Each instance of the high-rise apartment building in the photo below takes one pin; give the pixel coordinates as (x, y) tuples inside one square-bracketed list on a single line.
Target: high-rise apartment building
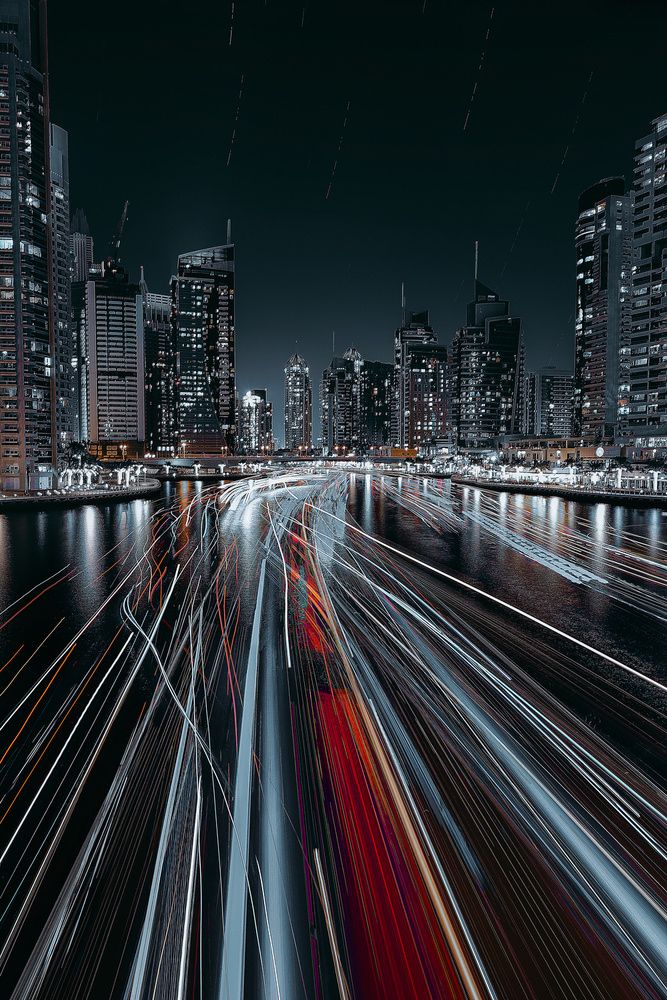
[(202, 298), (66, 380), (375, 395), (486, 371), (416, 333), (159, 364), (27, 348), (298, 405), (643, 361), (425, 373), (603, 242), (108, 314), (339, 403), (548, 403)]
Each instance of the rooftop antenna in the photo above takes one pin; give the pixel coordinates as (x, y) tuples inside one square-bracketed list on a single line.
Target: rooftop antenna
[(229, 232), (476, 257), (403, 303), (333, 343)]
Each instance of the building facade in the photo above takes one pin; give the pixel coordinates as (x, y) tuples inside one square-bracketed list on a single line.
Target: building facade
[(66, 395), (486, 372), (425, 376), (202, 302), (416, 333), (81, 246), (298, 405), (339, 403), (27, 343), (255, 423), (548, 403), (375, 397), (159, 375), (603, 243), (108, 314), (643, 355)]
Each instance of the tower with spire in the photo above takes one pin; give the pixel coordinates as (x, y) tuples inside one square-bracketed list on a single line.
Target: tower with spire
[(486, 370)]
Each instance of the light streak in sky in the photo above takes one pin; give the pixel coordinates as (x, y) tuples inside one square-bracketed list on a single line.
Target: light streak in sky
[(236, 119), (340, 145), (479, 69), (514, 241), (574, 129)]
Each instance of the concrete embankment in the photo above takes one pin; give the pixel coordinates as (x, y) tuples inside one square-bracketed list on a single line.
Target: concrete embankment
[(32, 501), (624, 498)]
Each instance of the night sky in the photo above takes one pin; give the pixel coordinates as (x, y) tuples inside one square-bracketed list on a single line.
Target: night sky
[(149, 93)]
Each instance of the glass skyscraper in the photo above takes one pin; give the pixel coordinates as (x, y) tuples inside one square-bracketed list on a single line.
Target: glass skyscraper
[(487, 371), (27, 348), (417, 333), (159, 372), (603, 241), (298, 405), (643, 362), (202, 302), (67, 424), (108, 313)]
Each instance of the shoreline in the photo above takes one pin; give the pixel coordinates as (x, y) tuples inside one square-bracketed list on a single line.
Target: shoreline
[(150, 487), (615, 498)]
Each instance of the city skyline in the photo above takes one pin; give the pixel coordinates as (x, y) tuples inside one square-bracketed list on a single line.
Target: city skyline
[(404, 202), (380, 713)]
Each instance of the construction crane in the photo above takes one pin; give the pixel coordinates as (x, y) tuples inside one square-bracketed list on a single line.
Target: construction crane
[(114, 243)]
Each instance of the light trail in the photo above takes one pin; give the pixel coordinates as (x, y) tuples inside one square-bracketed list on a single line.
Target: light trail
[(429, 817)]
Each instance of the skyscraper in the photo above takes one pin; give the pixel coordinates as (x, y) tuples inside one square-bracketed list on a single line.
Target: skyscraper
[(202, 298), (548, 401), (27, 348), (416, 333), (486, 374), (339, 403), (255, 423), (375, 395), (67, 424), (643, 365), (425, 372), (81, 246), (108, 313), (603, 241), (159, 360), (298, 405)]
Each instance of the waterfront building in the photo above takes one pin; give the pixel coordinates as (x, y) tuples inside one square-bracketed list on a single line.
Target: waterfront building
[(298, 405), (159, 376), (202, 299), (643, 361), (548, 403), (416, 333), (375, 398), (486, 371), (27, 346), (109, 320), (66, 375), (256, 423), (425, 376), (603, 242), (339, 403)]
